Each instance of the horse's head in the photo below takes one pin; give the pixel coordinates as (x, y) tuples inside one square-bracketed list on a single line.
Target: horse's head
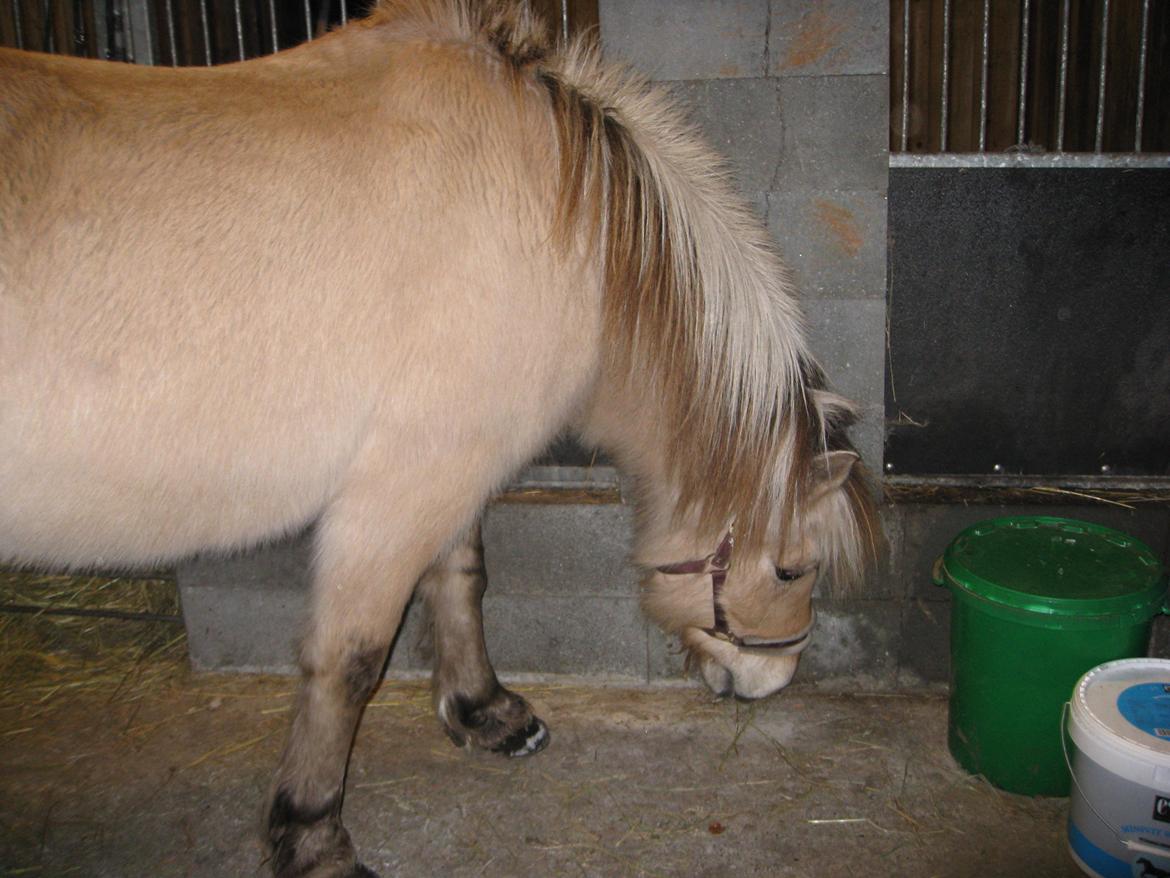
[(745, 616)]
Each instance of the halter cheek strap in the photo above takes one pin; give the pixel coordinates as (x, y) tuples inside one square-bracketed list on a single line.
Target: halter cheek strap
[(717, 565)]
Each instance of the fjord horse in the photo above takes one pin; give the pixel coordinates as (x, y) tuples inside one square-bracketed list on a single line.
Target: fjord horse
[(361, 282)]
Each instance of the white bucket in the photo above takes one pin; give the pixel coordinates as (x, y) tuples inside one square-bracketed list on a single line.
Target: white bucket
[(1119, 810)]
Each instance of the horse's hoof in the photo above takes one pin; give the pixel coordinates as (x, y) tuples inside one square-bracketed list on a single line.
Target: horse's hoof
[(502, 723), (531, 739)]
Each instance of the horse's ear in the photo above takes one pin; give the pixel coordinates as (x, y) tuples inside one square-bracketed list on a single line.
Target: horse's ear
[(836, 411), (833, 468)]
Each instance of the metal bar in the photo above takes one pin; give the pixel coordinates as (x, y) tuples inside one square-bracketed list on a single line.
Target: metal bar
[(239, 30), (272, 25), (128, 31), (18, 24), (344, 13), (48, 38), (945, 100), (1099, 141), (114, 48), (1022, 109), (206, 32), (565, 22), (1143, 51), (142, 35), (1030, 160), (99, 19), (171, 33), (1062, 100), (308, 21), (984, 78), (80, 33), (905, 139)]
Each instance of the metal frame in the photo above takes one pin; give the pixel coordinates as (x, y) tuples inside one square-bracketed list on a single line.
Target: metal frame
[(1028, 160), (1022, 96), (139, 37)]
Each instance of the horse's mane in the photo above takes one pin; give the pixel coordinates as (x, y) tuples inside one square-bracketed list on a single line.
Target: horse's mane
[(699, 313)]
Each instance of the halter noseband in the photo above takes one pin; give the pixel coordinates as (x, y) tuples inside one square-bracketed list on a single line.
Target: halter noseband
[(717, 564)]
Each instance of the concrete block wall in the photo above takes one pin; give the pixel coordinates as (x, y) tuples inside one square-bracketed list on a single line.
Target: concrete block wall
[(795, 94), (563, 600)]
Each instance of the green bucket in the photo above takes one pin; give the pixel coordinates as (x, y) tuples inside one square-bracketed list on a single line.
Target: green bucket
[(1037, 602)]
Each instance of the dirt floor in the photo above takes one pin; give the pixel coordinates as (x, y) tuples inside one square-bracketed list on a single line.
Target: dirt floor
[(634, 783), (116, 761)]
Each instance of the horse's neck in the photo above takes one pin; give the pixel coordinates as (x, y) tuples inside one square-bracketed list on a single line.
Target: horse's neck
[(631, 430)]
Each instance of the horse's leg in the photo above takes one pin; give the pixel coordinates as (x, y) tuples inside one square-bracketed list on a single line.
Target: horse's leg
[(361, 586), (472, 705)]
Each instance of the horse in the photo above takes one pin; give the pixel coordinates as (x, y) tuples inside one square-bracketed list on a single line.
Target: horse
[(361, 282)]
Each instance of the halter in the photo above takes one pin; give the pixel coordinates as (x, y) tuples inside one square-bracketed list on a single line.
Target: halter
[(717, 564)]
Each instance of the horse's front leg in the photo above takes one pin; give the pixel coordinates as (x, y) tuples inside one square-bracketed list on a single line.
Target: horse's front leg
[(361, 587), (472, 705)]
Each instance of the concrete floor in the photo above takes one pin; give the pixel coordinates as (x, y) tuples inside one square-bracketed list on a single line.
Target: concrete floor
[(167, 780)]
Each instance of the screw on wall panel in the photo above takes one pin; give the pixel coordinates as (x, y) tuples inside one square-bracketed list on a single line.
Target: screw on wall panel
[(998, 468), (1106, 469), (889, 466)]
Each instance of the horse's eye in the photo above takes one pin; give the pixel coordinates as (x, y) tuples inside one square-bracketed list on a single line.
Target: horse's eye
[(787, 574)]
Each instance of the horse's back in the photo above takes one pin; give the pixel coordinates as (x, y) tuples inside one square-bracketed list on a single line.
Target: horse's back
[(215, 283)]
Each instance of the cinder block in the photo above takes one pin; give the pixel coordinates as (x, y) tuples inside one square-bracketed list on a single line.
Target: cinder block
[(741, 119), (570, 550), (665, 657), (829, 37), (924, 648), (247, 612), (836, 133), (854, 646), (592, 636), (833, 242), (687, 39), (848, 337)]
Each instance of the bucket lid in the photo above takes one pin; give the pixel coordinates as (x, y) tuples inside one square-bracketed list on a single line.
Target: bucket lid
[(1125, 705), (1056, 566)]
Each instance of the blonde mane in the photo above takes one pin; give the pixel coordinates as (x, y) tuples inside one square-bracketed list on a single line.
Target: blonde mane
[(700, 318)]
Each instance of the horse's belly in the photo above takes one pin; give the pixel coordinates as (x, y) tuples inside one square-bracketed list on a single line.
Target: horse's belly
[(132, 492)]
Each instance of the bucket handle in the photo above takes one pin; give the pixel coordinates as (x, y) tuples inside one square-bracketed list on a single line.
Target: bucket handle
[(1135, 845), (936, 575)]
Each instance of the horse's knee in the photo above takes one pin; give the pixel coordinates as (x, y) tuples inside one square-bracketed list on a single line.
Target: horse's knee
[(500, 721)]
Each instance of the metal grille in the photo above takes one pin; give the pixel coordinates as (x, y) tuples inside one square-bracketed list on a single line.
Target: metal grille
[(203, 32), (1030, 76)]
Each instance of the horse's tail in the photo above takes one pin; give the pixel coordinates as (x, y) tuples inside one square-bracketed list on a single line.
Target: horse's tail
[(698, 314)]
